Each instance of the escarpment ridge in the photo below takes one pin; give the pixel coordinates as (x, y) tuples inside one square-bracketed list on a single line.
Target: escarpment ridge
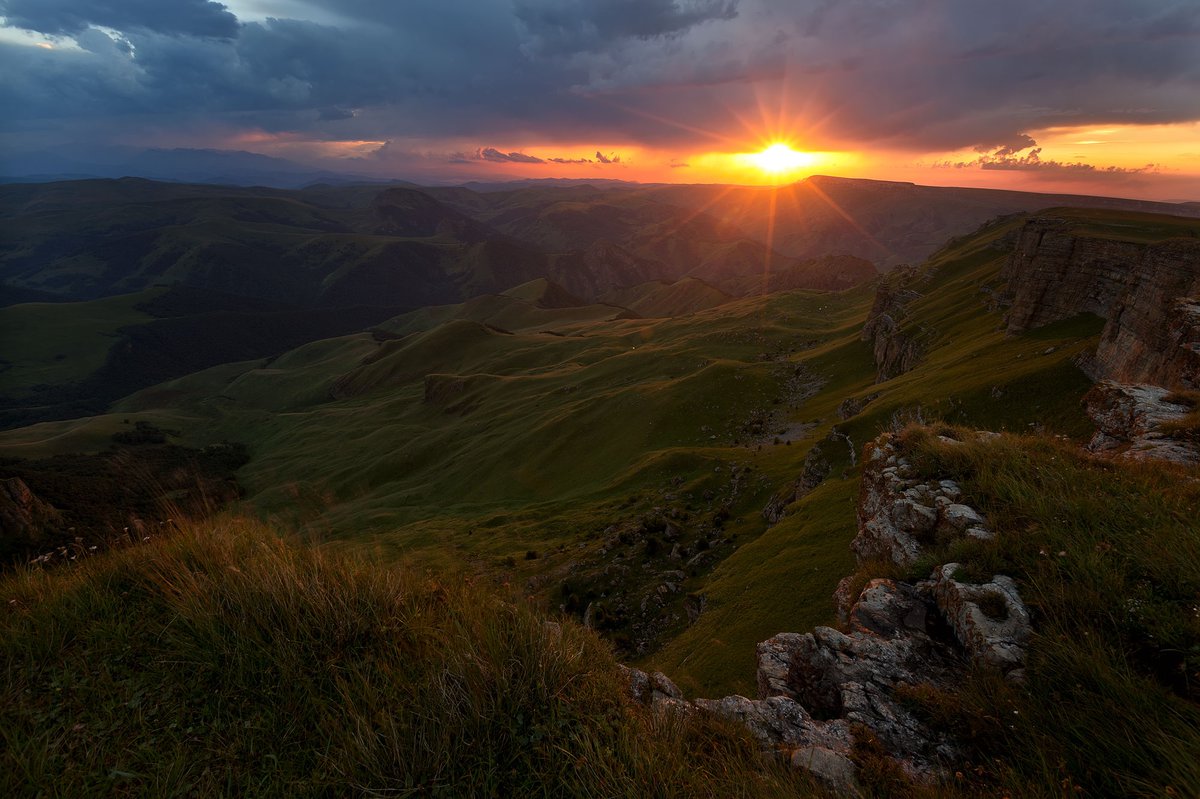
[(1148, 293)]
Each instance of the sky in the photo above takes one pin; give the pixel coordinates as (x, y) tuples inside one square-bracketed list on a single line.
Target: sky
[(1089, 96)]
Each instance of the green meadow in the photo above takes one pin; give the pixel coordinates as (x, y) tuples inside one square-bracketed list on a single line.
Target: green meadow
[(463, 437)]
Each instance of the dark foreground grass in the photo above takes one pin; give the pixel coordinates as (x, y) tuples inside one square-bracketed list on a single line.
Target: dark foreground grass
[(223, 661), (1108, 558)]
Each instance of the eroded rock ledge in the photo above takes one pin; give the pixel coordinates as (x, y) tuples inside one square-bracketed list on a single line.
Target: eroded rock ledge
[(822, 692), (1133, 423)]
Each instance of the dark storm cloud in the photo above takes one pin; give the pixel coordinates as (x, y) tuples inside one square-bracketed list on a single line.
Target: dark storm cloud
[(1022, 141), (569, 26), (696, 74), (68, 17), (334, 114)]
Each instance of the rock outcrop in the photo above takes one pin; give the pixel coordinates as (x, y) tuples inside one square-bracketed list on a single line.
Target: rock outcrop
[(895, 350), (898, 514), (1153, 332), (22, 514), (1148, 293), (816, 469), (820, 692), (25, 520), (989, 619), (853, 406), (1133, 420)]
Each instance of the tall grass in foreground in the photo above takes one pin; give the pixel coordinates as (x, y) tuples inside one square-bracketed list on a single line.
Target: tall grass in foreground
[(1108, 557), (224, 661)]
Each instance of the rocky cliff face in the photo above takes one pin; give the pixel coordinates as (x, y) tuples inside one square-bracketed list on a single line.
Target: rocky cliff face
[(1153, 332), (1148, 293), (1054, 274), (896, 352), (821, 692)]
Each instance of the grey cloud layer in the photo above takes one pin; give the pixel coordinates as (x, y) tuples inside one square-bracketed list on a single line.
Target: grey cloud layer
[(192, 17), (917, 74)]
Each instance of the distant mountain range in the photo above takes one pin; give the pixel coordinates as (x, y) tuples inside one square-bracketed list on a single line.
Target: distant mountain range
[(338, 246), (184, 165), (178, 277)]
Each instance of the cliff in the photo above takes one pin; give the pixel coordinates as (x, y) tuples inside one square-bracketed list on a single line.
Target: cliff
[(896, 351), (1148, 293)]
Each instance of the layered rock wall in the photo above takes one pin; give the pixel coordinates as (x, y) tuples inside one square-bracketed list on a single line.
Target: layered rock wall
[(1153, 330), (1054, 274), (1149, 295)]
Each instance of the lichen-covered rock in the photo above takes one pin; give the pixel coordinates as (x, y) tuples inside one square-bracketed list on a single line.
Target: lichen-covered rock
[(885, 476), (989, 619), (889, 608), (898, 513), (654, 689), (779, 722), (833, 768), (775, 662), (852, 677)]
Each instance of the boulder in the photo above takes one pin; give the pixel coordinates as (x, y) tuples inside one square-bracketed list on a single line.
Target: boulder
[(989, 619)]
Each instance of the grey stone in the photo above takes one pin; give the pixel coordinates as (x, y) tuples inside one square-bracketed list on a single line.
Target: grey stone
[(995, 639), (832, 768)]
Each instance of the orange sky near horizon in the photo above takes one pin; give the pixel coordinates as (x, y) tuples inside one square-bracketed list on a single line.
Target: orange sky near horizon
[(1160, 162)]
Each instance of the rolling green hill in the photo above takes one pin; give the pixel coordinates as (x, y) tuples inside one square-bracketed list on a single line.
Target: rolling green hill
[(522, 434), (351, 246), (613, 462)]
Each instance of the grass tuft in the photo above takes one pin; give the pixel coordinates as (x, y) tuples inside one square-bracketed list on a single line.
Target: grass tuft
[(223, 660), (1107, 556)]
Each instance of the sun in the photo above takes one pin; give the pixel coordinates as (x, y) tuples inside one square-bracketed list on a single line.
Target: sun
[(780, 158)]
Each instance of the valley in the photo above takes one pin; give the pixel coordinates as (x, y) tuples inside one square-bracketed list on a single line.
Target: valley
[(670, 455)]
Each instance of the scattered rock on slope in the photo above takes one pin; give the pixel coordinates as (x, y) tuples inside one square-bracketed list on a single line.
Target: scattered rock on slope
[(1132, 423), (820, 692)]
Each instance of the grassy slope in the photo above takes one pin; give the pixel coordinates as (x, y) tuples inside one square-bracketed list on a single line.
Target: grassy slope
[(56, 343), (784, 579), (1108, 558), (538, 440), (220, 660)]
